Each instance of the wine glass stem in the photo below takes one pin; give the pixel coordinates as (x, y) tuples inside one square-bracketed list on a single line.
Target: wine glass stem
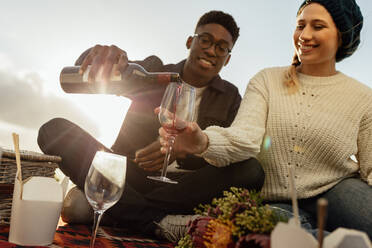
[(167, 155), (97, 220)]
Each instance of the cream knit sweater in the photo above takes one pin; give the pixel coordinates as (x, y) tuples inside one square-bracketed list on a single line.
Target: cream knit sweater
[(315, 130)]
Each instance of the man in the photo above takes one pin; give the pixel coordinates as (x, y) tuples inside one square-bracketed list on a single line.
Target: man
[(145, 204)]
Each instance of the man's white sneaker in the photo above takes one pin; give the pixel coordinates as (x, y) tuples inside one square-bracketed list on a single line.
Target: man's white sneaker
[(174, 227)]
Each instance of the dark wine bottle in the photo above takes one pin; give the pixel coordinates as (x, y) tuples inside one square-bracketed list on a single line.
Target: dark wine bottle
[(133, 81)]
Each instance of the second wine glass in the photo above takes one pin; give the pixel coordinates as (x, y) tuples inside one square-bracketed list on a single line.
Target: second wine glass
[(104, 185), (176, 110)]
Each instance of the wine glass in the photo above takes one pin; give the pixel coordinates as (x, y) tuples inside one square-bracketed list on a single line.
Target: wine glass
[(176, 110), (104, 185)]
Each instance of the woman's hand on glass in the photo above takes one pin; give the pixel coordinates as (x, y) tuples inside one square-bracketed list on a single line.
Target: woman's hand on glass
[(190, 140)]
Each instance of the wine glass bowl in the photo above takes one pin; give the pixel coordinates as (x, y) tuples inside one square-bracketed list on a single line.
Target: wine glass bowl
[(104, 184), (176, 111), (172, 123)]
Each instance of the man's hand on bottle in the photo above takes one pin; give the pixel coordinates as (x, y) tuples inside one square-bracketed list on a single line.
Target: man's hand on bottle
[(150, 157), (102, 60)]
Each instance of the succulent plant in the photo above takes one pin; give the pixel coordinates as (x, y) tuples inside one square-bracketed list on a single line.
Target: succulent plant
[(238, 219)]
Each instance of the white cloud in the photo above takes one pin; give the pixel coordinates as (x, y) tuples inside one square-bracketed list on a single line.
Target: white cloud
[(5, 61), (25, 105), (27, 140)]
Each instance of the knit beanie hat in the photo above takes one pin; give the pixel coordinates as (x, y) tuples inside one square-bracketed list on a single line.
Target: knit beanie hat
[(349, 21)]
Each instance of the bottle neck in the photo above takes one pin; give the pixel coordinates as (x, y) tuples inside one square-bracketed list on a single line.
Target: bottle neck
[(165, 78), (159, 77)]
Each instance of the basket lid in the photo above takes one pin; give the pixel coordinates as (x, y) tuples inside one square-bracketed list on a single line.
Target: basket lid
[(6, 190), (32, 156)]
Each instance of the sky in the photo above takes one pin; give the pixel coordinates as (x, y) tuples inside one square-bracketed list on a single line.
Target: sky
[(40, 37)]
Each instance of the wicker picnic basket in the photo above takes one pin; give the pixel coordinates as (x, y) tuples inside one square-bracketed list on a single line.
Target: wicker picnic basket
[(33, 164)]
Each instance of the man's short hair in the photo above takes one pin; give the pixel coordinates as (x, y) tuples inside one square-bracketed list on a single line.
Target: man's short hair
[(221, 18)]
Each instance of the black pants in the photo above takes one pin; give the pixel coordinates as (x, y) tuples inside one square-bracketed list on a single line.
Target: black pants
[(144, 201)]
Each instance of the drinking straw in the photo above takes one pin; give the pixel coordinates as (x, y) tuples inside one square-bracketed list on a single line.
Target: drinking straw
[(18, 157), (293, 196), (322, 212)]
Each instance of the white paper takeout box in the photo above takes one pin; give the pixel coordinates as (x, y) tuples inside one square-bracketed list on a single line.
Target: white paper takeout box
[(293, 236), (36, 208)]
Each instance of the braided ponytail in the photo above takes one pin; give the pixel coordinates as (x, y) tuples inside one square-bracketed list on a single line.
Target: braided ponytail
[(291, 78)]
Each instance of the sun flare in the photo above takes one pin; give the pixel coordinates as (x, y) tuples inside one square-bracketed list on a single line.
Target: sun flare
[(107, 112)]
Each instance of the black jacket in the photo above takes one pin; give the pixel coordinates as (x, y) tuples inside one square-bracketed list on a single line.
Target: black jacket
[(219, 105)]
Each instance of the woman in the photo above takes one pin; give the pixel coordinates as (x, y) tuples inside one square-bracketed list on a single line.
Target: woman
[(313, 116)]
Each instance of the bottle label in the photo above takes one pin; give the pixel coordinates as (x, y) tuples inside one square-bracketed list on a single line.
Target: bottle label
[(139, 73), (113, 77)]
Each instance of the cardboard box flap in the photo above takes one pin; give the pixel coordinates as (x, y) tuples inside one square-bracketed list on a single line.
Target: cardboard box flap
[(42, 189), (343, 238), (292, 236)]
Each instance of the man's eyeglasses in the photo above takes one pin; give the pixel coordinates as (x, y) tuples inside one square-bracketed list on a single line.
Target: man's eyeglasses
[(206, 40)]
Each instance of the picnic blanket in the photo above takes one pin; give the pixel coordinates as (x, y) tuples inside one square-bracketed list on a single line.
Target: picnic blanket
[(79, 236)]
